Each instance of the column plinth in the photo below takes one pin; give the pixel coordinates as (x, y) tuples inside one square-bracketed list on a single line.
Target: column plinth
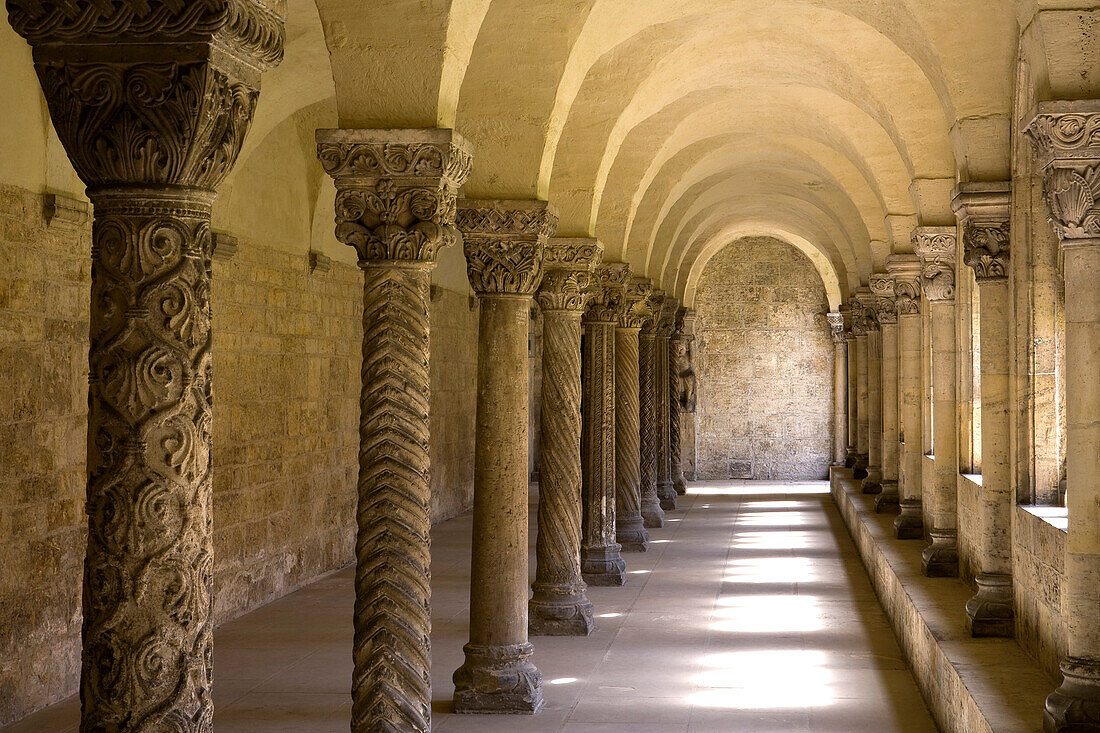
[(840, 388), (666, 491), (601, 561), (559, 604), (883, 288), (384, 177), (504, 243), (936, 248), (653, 516), (983, 212), (629, 523), (1066, 138), (151, 134), (909, 523)]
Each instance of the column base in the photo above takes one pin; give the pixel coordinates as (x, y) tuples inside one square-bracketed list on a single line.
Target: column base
[(603, 565), (667, 495), (556, 610), (1075, 706), (850, 458), (887, 501), (498, 680), (909, 524), (679, 486), (859, 468), (631, 534), (990, 612), (653, 517), (941, 558), (872, 482)]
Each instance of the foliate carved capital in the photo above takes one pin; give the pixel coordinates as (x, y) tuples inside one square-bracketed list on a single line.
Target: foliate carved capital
[(882, 288), (396, 190), (636, 311), (1066, 139), (936, 248), (905, 271), (655, 303), (857, 325), (836, 324), (608, 292), (504, 243), (865, 310), (567, 283), (666, 320), (983, 211)]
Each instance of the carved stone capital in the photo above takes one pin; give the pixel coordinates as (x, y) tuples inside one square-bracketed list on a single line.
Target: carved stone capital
[(865, 310), (396, 190), (655, 302), (567, 283), (608, 291), (936, 248), (636, 310), (1066, 139), (882, 288), (504, 243), (983, 211), (666, 320), (836, 323), (905, 270)]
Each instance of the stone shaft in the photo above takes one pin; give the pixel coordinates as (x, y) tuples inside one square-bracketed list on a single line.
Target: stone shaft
[(652, 514), (889, 497), (840, 389), (678, 363), (863, 409), (873, 483), (630, 529), (666, 492), (910, 489), (852, 399)]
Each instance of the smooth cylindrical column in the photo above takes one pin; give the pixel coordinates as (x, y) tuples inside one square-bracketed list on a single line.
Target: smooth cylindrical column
[(863, 411), (936, 248), (851, 452), (652, 515), (504, 242), (559, 604), (909, 523), (840, 388), (872, 483), (887, 500)]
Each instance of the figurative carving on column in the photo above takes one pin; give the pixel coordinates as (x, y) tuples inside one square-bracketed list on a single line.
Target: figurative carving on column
[(678, 365), (633, 315), (151, 135), (504, 245), (936, 248), (395, 205), (652, 514), (559, 605), (1066, 138), (666, 492)]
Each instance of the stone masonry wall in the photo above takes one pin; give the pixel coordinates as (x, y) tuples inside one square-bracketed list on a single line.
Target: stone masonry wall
[(765, 357), (1038, 574), (286, 359)]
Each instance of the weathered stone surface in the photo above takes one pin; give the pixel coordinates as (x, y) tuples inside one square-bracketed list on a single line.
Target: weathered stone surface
[(630, 529), (652, 513), (765, 407)]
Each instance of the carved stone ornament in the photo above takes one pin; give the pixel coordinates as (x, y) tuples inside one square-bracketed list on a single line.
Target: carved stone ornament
[(983, 212), (882, 303), (936, 248), (905, 271), (567, 282), (608, 292), (636, 311), (836, 323), (504, 243), (1066, 138), (396, 190)]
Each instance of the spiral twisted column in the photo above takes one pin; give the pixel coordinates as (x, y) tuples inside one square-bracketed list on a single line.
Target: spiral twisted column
[(1066, 138), (601, 561), (666, 492), (395, 204), (559, 605), (504, 243), (882, 286), (652, 514), (629, 524), (151, 140), (936, 248)]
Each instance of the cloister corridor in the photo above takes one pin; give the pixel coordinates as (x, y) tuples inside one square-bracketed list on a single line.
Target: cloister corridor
[(751, 612)]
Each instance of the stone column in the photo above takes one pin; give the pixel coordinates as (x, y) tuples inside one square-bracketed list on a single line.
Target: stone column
[(936, 248), (629, 524), (601, 563), (882, 286), (652, 515), (1066, 136), (503, 243), (559, 605), (666, 492), (152, 130), (395, 202), (840, 388), (863, 417), (983, 211), (872, 483), (851, 313), (679, 343), (909, 524)]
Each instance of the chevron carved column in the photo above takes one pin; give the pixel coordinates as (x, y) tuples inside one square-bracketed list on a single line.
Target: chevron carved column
[(666, 492), (395, 204), (559, 605), (601, 561), (629, 524), (504, 243), (152, 102), (652, 514)]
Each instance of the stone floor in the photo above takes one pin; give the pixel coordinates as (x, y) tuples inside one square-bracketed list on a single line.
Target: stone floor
[(751, 612)]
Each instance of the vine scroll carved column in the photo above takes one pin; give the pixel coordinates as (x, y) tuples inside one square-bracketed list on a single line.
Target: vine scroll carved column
[(395, 205), (151, 102), (559, 605), (652, 514), (504, 243), (629, 524)]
